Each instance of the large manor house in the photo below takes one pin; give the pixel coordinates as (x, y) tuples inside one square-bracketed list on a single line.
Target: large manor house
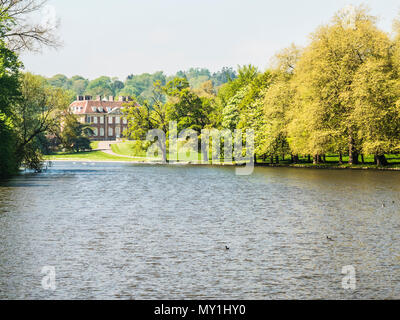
[(103, 115)]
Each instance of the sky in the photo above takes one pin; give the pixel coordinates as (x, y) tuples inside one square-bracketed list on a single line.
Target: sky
[(121, 37)]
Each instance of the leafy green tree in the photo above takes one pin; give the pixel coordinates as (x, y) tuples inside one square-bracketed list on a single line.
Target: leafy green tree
[(117, 85), (231, 95), (223, 76), (74, 135), (251, 109), (324, 76), (38, 111), (79, 85), (102, 86), (376, 112), (141, 86), (9, 94), (60, 81), (148, 115), (278, 104), (186, 107)]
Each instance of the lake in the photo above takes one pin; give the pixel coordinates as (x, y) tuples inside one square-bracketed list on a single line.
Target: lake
[(126, 231)]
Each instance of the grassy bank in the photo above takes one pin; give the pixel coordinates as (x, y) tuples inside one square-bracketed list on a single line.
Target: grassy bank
[(101, 156), (87, 156), (128, 149)]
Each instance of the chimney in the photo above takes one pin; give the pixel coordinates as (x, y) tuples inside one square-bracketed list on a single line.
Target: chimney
[(110, 98)]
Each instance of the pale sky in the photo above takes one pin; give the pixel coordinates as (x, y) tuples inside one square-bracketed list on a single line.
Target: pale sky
[(121, 37)]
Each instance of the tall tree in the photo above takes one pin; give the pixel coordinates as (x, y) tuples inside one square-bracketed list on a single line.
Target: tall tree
[(251, 109), (186, 107), (325, 75), (38, 111), (9, 95), (148, 115), (376, 112)]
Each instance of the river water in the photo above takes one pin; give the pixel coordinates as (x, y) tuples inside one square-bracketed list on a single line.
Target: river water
[(124, 231)]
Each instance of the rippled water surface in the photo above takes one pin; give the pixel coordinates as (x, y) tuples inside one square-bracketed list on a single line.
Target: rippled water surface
[(123, 231)]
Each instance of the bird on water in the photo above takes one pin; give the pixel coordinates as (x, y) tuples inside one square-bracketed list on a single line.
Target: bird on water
[(227, 248), (329, 238)]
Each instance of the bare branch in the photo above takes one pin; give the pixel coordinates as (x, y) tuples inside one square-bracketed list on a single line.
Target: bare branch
[(24, 34)]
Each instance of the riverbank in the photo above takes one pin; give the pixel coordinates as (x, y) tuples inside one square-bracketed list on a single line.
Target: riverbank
[(90, 156), (102, 158), (393, 167), (122, 152)]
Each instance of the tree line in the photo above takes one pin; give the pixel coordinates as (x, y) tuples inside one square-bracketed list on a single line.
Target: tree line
[(140, 86), (338, 95)]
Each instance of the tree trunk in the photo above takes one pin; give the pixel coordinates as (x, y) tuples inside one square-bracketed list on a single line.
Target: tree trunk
[(340, 158), (317, 159), (309, 158), (255, 159), (353, 154), (324, 158), (362, 159), (264, 157), (381, 160), (277, 159), (296, 158)]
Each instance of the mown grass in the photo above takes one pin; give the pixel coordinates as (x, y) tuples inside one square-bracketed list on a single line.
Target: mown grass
[(127, 148), (94, 145), (87, 156)]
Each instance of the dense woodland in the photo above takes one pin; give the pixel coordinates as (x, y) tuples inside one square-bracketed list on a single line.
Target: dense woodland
[(339, 95)]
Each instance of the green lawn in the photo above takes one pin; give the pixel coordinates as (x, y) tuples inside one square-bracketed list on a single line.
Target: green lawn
[(88, 156), (127, 149), (94, 145)]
